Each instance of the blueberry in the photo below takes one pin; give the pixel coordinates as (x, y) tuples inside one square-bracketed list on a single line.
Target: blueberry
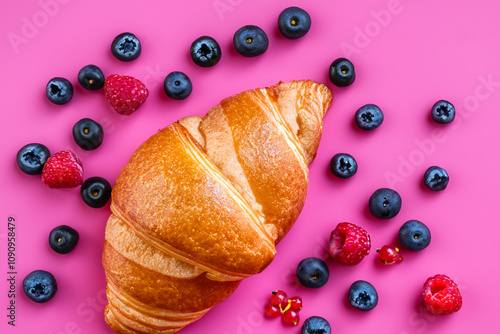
[(312, 272), (315, 325), (91, 77), (88, 134), (294, 22), (40, 286), (436, 178), (343, 165), (177, 85), (63, 239), (96, 191), (342, 72), (126, 47), (384, 203), (250, 41), (59, 90), (368, 117), (414, 235), (32, 157), (443, 112), (205, 51), (362, 295)]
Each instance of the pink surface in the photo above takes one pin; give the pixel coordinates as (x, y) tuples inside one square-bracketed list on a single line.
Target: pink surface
[(408, 54)]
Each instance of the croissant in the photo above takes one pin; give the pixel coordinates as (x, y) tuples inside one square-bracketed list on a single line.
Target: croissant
[(203, 202)]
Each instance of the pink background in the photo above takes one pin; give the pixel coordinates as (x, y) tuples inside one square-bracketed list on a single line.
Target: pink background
[(408, 54)]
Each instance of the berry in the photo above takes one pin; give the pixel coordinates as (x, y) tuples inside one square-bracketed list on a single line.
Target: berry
[(40, 286), (250, 41), (124, 93), (96, 192), (294, 22), (126, 47), (272, 311), (312, 272), (62, 170), (287, 307), (443, 112), (343, 165), (441, 295), (177, 85), (368, 117), (342, 72), (414, 235), (205, 51), (91, 77), (63, 239), (88, 134), (389, 254), (278, 298), (349, 244), (290, 317), (59, 90), (362, 295), (296, 303), (315, 325), (32, 157), (384, 203), (436, 178)]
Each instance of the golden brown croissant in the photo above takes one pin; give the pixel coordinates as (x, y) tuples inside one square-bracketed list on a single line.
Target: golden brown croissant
[(202, 203)]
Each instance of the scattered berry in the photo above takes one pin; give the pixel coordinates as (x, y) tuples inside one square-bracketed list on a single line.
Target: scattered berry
[(290, 317), (294, 22), (62, 170), (59, 90), (126, 47), (349, 244), (414, 235), (250, 41), (177, 85), (312, 272), (272, 311), (88, 134), (389, 254), (316, 325), (205, 51), (63, 239), (441, 295), (343, 165), (40, 286), (278, 298), (362, 295), (96, 192), (342, 72), (296, 303), (436, 178), (124, 93), (32, 157), (288, 307), (368, 117), (91, 77), (443, 112), (384, 203)]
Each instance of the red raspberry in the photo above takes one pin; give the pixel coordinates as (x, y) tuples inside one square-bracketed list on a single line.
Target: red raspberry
[(441, 295), (125, 93), (62, 170), (349, 244)]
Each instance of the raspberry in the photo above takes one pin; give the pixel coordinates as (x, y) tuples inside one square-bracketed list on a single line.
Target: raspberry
[(62, 170), (441, 295), (349, 244), (125, 93)]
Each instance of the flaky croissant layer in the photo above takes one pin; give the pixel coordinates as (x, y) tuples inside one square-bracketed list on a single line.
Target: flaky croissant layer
[(203, 202)]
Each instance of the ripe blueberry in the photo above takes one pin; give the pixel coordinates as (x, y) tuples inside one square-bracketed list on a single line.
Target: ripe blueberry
[(384, 203), (342, 72), (126, 47), (250, 41), (368, 117), (88, 134), (96, 191), (177, 85), (436, 178), (205, 51), (414, 235), (63, 239), (316, 325), (32, 157), (362, 295), (294, 22), (343, 165), (443, 112), (40, 286), (312, 272), (91, 77), (59, 90)]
